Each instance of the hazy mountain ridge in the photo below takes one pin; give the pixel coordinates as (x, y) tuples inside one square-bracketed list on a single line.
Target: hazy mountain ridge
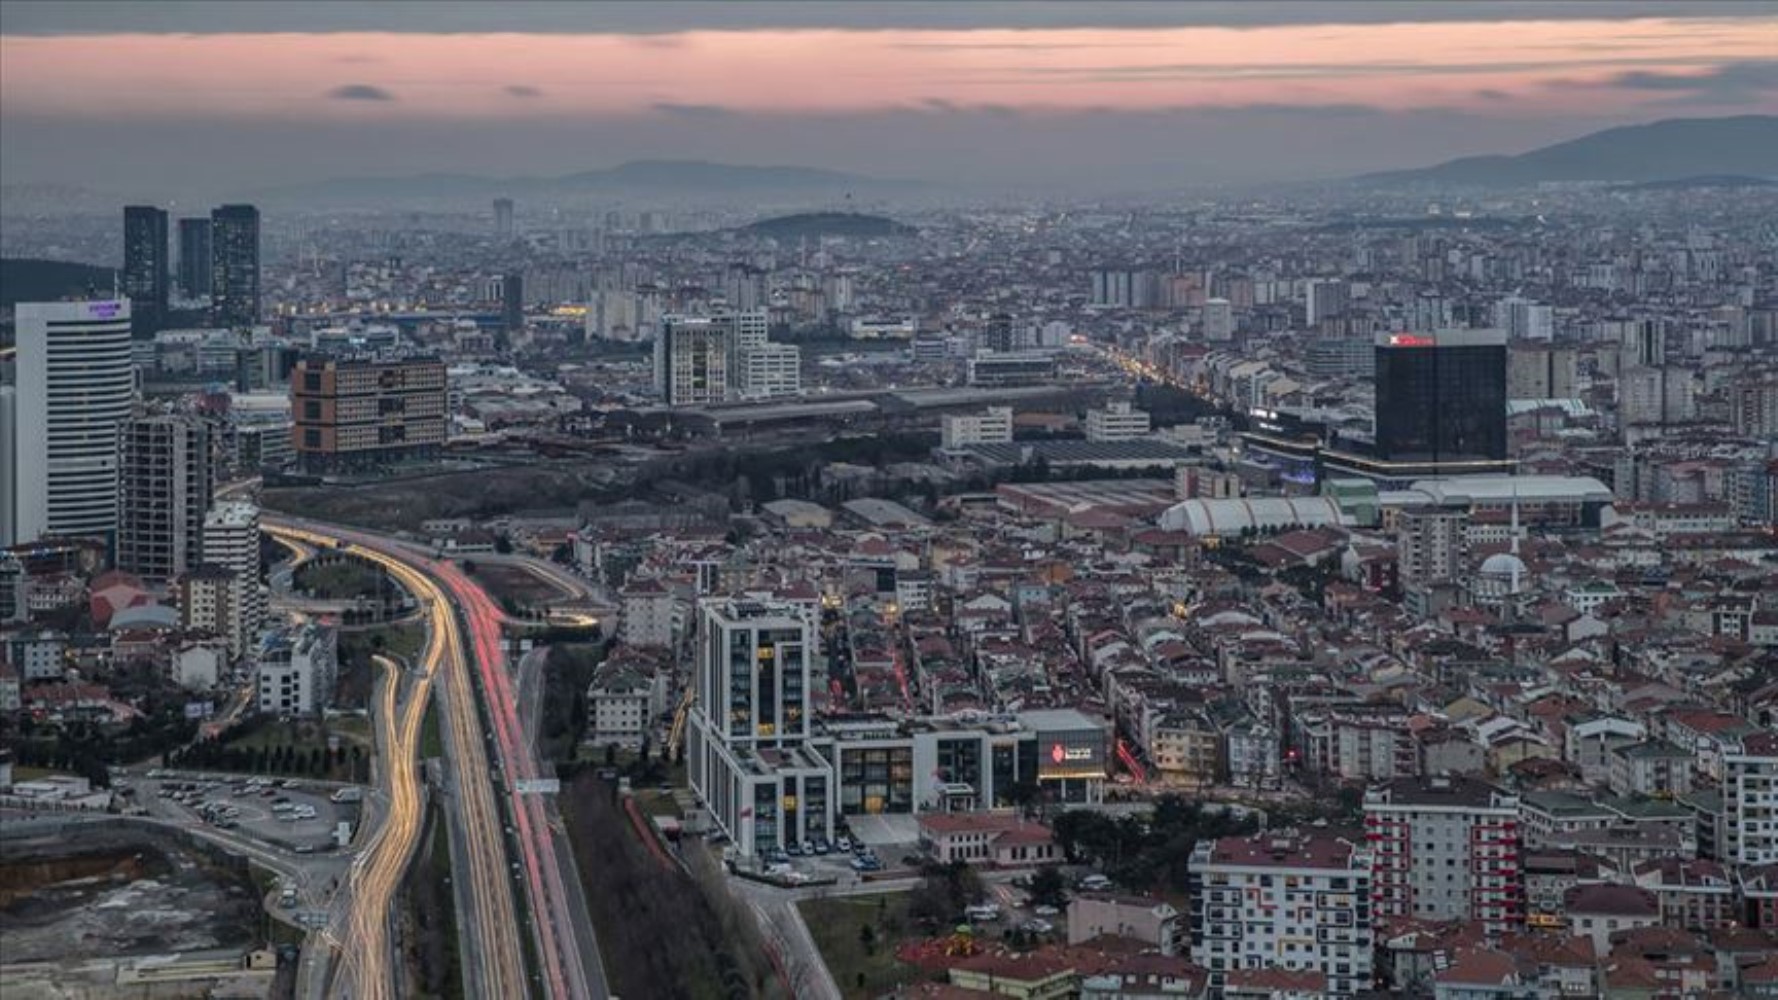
[(640, 176), (1671, 150)]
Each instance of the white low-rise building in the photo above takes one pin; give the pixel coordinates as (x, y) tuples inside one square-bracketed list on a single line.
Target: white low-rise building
[(297, 669), (1118, 421), (963, 430), (623, 702)]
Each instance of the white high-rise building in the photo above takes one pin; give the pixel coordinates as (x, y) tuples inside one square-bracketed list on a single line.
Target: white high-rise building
[(964, 430), (1283, 901), (1523, 319), (1445, 848), (1430, 545), (1750, 800), (231, 541), (75, 387), (1219, 320), (748, 755), (745, 330), (1117, 421)]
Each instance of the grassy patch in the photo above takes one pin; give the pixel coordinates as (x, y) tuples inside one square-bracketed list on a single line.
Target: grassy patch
[(637, 904), (340, 580), (432, 949), (405, 641), (837, 926), (431, 738), (267, 745), (658, 803)]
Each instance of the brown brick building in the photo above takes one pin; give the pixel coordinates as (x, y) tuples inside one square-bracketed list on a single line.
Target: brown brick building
[(357, 413)]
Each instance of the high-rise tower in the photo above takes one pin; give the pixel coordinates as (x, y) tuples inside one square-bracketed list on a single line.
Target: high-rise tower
[(165, 484), (194, 257), (75, 387), (234, 265), (145, 267)]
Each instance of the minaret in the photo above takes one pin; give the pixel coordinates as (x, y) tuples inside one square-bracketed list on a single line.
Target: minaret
[(1517, 562)]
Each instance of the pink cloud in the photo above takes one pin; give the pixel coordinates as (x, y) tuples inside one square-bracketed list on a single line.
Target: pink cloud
[(1392, 66)]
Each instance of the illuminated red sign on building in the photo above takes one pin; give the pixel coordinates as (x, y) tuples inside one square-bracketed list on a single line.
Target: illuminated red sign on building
[(1411, 340)]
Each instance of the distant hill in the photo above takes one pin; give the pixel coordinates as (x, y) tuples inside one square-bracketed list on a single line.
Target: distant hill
[(641, 177), (1669, 150), (25, 279), (1711, 181), (819, 224)]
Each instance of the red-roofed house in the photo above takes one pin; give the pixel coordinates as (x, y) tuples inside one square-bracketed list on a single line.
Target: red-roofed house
[(1002, 839)]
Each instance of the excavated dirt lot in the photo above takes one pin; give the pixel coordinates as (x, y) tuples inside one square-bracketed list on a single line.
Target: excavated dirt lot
[(106, 892)]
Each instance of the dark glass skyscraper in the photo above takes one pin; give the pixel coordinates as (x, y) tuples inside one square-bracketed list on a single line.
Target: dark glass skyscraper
[(145, 271), (194, 256), (1441, 397), (234, 265), (512, 305)]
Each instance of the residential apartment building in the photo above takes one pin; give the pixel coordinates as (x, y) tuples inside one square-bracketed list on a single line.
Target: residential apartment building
[(165, 482), (298, 668), (1750, 800), (622, 703), (209, 601), (363, 412), (1430, 545), (1283, 901), (648, 614), (231, 542), (1446, 848)]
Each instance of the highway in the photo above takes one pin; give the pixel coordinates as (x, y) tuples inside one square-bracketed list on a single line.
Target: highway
[(563, 935), (376, 874), (494, 965)]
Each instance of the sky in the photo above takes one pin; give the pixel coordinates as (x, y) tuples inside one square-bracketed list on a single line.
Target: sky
[(186, 98)]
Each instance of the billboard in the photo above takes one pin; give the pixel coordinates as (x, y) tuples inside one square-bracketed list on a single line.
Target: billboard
[(1078, 753)]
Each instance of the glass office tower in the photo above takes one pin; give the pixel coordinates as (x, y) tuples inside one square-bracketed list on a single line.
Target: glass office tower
[(1441, 397)]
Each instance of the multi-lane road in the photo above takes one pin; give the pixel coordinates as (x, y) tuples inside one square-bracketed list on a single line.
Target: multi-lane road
[(465, 652), (489, 914), (563, 935)]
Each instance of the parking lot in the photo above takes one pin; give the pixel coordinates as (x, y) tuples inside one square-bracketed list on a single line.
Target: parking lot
[(287, 813)]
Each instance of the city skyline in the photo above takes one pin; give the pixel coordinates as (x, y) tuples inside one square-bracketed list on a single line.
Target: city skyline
[(1143, 96)]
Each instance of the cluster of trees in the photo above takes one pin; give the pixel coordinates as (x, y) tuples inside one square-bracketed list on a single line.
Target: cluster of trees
[(337, 764), (938, 902), (638, 904), (567, 672), (89, 749), (1145, 853)]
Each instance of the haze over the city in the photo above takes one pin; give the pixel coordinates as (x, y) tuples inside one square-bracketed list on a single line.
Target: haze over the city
[(201, 100)]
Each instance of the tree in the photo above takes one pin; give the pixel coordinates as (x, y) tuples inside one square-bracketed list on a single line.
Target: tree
[(1048, 888), (867, 938)]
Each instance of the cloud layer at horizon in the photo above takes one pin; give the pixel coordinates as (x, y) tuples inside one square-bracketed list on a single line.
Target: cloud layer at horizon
[(1247, 98)]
